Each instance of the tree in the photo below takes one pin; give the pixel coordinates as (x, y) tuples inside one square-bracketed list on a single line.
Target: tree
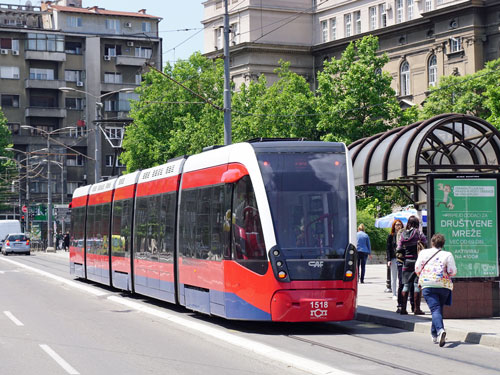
[(354, 94), (168, 119), (8, 169), (474, 94)]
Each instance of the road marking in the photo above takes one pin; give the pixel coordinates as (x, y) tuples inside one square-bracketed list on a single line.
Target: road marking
[(71, 283), (307, 365), (61, 362), (11, 316)]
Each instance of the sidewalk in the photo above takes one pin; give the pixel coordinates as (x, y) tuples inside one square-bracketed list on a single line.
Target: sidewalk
[(376, 306)]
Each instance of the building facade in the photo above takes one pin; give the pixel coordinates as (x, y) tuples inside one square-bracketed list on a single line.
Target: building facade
[(68, 72), (424, 39)]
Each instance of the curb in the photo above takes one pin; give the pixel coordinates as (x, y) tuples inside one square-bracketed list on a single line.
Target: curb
[(416, 324)]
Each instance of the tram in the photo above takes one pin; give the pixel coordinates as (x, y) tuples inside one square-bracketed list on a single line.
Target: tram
[(262, 230)]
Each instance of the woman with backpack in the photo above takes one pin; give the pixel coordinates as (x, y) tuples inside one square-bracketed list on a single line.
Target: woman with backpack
[(407, 251)]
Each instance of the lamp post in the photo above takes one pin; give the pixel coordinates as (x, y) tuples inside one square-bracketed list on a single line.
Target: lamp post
[(60, 165), (49, 182), (27, 176), (98, 117)]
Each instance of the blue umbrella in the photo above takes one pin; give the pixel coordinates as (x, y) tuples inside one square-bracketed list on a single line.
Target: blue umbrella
[(386, 221)]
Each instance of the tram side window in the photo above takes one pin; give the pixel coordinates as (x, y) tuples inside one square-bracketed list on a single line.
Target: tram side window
[(125, 230), (247, 238), (141, 227), (117, 240), (90, 229), (202, 231), (167, 218), (77, 226)]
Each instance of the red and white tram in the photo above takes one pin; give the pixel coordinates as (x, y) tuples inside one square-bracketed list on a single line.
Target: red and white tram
[(252, 231)]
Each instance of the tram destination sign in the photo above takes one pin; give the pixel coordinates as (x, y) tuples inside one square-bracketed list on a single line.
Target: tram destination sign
[(464, 208)]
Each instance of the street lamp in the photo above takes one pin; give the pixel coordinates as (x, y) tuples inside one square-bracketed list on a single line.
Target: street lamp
[(97, 134), (60, 165), (49, 184), (27, 175)]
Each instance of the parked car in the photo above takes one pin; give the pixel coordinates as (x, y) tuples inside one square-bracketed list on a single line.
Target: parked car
[(16, 243)]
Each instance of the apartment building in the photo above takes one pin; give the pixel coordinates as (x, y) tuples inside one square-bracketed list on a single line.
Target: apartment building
[(424, 39), (62, 67)]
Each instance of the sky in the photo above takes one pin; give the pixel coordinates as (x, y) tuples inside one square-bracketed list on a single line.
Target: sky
[(176, 14)]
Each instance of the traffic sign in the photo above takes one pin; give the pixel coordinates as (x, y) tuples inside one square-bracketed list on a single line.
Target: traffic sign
[(24, 209)]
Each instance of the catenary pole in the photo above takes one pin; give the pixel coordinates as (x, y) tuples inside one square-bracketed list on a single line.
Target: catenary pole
[(227, 86)]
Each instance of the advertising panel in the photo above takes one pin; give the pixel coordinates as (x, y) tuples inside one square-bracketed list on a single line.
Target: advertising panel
[(465, 209)]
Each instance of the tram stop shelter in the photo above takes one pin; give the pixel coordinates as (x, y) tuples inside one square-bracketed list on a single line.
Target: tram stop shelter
[(451, 144)]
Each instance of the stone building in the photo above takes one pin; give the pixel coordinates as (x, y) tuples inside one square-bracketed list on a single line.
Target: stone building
[(62, 67), (424, 39)]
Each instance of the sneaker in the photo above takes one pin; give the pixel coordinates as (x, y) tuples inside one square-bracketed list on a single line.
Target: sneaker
[(434, 339), (394, 298), (441, 338)]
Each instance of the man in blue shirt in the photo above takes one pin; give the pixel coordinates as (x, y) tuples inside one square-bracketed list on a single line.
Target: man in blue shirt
[(364, 249)]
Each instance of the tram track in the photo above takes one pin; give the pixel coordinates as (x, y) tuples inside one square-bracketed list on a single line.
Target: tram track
[(360, 356)]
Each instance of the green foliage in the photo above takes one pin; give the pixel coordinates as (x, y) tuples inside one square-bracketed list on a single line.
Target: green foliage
[(378, 200), (378, 236), (474, 94), (354, 94)]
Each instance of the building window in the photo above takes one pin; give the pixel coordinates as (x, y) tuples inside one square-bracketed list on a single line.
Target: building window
[(143, 52), (405, 78), (348, 25), (74, 160), (333, 29), (383, 15), (324, 31), (11, 101), (114, 132), (73, 48), (9, 44), (71, 187), (235, 34), (112, 50), (112, 77), (146, 27), (9, 72), (113, 25), (138, 79), (42, 74), (428, 5), (14, 127), (72, 21), (110, 105), (77, 132), (456, 44), (357, 18), (75, 103), (45, 42), (409, 9), (399, 11), (373, 18), (432, 71), (109, 160), (74, 75), (218, 38)]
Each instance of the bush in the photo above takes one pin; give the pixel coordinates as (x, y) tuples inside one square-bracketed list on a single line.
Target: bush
[(378, 236)]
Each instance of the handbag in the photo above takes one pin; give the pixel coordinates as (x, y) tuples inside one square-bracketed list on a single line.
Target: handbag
[(428, 260)]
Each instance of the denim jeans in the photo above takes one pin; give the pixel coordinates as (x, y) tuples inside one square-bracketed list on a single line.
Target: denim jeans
[(435, 298), (362, 257)]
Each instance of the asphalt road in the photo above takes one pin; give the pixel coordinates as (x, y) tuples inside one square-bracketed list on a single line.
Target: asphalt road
[(51, 323)]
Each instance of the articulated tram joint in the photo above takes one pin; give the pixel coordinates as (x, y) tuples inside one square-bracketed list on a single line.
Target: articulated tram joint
[(278, 264)]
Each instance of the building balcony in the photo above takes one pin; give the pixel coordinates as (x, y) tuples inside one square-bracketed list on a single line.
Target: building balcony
[(108, 87), (130, 60), (44, 84), (45, 112), (45, 55)]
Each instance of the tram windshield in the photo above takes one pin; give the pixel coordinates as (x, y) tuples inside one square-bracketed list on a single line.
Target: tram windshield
[(308, 196)]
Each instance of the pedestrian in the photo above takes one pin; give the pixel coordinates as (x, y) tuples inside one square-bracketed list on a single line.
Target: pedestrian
[(392, 263), (407, 250), (436, 267), (364, 250), (66, 241)]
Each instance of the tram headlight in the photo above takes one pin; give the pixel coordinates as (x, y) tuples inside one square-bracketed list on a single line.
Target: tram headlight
[(282, 274), (279, 263), (276, 253), (350, 263)]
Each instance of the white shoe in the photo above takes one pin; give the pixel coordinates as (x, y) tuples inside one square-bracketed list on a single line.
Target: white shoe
[(441, 337), (434, 339), (394, 298)]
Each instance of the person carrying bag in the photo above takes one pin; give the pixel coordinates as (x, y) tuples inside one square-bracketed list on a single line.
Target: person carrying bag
[(435, 268)]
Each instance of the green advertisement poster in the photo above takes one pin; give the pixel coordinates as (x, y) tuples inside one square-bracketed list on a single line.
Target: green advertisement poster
[(465, 211)]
